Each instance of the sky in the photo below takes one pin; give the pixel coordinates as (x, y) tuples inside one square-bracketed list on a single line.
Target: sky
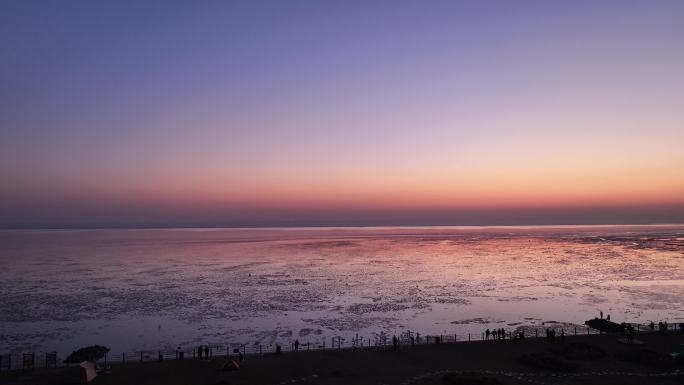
[(255, 113)]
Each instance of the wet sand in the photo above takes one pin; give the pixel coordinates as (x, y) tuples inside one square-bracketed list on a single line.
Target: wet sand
[(424, 364)]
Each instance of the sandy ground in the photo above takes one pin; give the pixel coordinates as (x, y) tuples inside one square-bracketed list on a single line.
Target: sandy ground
[(425, 364)]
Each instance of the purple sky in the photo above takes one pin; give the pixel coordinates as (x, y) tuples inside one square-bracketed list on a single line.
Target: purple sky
[(360, 113)]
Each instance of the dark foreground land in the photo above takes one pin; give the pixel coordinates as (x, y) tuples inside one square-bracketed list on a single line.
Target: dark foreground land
[(597, 359)]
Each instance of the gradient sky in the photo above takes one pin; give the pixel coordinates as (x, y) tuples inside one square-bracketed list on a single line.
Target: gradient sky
[(349, 112)]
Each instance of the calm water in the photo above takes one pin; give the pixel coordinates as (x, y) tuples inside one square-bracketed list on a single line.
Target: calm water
[(152, 289)]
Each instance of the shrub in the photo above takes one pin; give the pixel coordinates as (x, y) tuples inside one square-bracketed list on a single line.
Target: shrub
[(581, 352), (546, 361), (468, 379), (650, 358)]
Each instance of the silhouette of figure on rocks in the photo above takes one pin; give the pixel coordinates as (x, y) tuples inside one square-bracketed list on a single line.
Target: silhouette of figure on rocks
[(395, 342)]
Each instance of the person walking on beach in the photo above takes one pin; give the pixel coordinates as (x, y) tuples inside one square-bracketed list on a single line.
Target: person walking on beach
[(487, 334), (206, 352), (199, 352), (296, 345), (395, 342)]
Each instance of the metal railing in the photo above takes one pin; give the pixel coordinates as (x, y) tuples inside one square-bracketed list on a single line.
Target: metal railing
[(381, 341)]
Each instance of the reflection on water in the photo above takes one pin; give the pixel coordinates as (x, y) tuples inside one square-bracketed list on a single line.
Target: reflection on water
[(149, 289)]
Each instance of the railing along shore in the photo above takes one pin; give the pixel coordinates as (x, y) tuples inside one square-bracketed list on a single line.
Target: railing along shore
[(24, 361)]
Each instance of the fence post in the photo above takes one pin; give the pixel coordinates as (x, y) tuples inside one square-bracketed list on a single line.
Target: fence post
[(575, 330), (455, 337), (308, 346), (468, 337)]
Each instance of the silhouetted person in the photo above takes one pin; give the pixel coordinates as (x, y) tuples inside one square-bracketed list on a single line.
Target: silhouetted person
[(278, 349), (413, 340), (296, 344), (487, 334), (601, 315), (395, 342), (608, 317), (199, 352), (206, 352), (652, 326)]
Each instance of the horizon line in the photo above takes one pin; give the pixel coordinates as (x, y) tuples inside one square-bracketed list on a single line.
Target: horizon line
[(333, 227)]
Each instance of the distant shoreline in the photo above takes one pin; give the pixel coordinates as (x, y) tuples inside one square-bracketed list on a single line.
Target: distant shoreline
[(350, 227)]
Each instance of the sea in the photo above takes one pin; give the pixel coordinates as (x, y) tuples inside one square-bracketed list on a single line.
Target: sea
[(158, 289)]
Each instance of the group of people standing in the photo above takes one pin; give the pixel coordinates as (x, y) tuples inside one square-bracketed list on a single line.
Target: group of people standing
[(663, 326), (497, 334), (551, 335), (203, 349)]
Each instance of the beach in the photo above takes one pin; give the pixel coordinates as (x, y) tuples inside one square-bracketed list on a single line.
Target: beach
[(418, 364)]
